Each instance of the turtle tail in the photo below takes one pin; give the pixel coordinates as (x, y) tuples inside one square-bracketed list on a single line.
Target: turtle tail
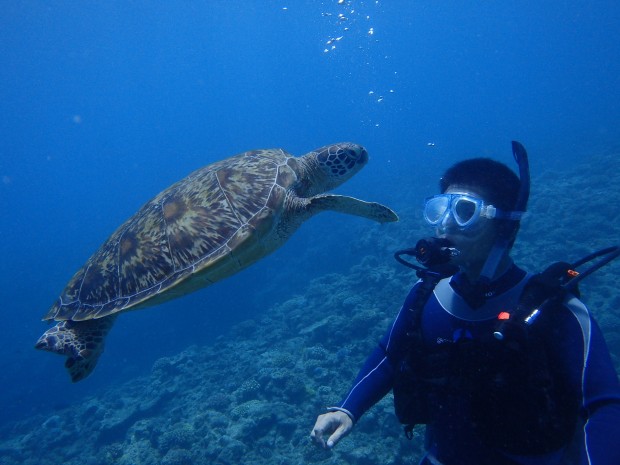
[(82, 342)]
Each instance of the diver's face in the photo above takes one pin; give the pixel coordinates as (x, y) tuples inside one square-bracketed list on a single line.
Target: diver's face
[(473, 242)]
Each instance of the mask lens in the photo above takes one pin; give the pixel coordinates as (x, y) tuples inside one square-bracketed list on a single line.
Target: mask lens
[(464, 210), (435, 209)]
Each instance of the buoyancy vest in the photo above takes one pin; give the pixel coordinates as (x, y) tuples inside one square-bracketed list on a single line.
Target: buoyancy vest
[(518, 404)]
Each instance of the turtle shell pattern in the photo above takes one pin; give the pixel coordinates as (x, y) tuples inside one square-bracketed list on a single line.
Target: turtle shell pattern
[(207, 224)]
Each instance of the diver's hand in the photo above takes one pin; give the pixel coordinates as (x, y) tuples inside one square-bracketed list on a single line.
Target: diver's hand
[(336, 424)]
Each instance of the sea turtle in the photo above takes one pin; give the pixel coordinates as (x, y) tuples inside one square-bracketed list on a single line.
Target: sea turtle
[(206, 227)]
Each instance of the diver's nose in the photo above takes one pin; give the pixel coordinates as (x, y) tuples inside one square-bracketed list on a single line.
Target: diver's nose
[(447, 223)]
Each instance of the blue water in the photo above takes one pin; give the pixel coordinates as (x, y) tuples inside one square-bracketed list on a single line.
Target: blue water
[(104, 104)]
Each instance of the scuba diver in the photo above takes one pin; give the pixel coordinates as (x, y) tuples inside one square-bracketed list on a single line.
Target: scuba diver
[(503, 367)]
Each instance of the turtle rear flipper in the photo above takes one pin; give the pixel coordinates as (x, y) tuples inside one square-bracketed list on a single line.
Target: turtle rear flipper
[(352, 206), (82, 342)]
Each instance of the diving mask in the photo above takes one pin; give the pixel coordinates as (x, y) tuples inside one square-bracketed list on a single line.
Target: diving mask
[(465, 210)]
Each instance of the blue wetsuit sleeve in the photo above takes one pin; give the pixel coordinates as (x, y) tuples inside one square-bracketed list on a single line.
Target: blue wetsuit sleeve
[(601, 394), (375, 378), (372, 383), (583, 355)]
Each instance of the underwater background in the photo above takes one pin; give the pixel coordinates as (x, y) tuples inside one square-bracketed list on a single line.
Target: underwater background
[(104, 104)]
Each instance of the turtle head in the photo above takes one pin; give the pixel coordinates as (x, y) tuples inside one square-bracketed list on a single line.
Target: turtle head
[(334, 164)]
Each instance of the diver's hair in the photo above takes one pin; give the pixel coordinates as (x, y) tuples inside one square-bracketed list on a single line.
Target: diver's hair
[(497, 183)]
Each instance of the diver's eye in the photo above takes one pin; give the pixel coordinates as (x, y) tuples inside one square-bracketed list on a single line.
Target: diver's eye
[(465, 210)]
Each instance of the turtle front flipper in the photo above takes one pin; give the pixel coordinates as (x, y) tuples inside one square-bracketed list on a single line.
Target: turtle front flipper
[(352, 206), (82, 342)]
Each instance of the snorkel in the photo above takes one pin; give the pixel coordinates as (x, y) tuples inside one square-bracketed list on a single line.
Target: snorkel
[(502, 243)]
